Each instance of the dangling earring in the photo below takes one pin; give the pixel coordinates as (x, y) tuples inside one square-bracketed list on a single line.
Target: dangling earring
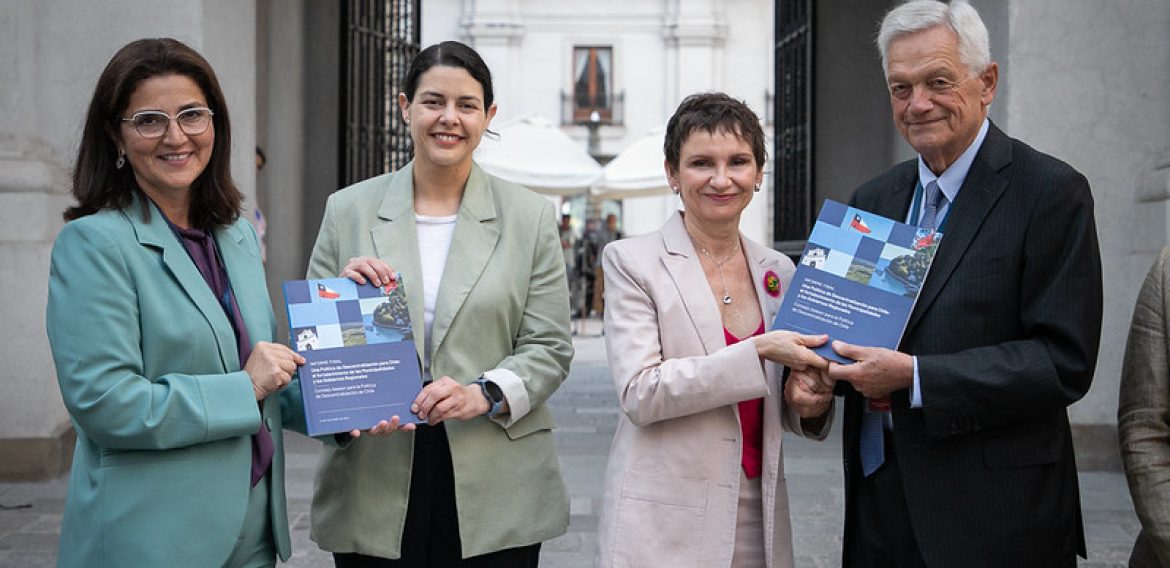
[(757, 188), (121, 163), (674, 189)]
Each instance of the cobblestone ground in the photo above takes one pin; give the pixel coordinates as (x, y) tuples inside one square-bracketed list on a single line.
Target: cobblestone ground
[(586, 412)]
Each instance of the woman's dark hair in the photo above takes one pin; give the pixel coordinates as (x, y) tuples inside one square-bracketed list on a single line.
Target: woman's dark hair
[(450, 54), (713, 112), (98, 184)]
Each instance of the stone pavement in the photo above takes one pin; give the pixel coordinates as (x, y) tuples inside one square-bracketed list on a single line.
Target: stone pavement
[(586, 412)]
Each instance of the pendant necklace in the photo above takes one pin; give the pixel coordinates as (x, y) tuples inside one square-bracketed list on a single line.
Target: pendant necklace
[(719, 266)]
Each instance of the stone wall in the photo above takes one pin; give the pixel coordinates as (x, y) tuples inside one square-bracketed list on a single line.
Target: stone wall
[(1091, 85), (52, 53)]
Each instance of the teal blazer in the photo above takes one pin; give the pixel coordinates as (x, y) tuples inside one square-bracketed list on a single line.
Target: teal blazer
[(502, 307), (149, 371)]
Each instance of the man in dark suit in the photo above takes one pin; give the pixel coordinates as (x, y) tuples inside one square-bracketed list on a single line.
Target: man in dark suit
[(969, 461)]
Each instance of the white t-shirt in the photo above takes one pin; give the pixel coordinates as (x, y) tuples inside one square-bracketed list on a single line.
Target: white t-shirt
[(434, 242)]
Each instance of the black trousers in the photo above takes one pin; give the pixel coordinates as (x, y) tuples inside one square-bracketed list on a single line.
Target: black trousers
[(431, 536), (881, 535)]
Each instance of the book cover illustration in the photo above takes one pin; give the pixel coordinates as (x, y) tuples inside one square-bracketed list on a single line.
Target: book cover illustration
[(858, 279), (361, 365)]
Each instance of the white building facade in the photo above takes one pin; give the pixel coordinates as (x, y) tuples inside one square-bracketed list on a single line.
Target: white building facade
[(653, 54)]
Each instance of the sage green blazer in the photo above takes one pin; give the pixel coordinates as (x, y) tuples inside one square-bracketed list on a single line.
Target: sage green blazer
[(503, 304), (149, 370)]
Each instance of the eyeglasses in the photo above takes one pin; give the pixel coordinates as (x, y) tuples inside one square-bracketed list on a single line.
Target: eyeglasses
[(154, 124)]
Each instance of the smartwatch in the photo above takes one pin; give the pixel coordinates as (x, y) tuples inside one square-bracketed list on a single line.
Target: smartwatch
[(492, 392)]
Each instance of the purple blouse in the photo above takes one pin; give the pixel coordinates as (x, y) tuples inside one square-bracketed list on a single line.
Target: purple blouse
[(202, 248)]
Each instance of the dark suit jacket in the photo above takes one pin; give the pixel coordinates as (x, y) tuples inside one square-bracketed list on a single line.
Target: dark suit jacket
[(1006, 331)]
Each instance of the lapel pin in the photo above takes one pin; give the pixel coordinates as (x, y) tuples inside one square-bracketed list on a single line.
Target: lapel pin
[(772, 284)]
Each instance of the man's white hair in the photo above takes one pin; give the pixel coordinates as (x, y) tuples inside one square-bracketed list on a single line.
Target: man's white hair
[(959, 16)]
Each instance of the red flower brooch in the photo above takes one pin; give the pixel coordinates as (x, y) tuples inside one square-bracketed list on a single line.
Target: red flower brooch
[(772, 284)]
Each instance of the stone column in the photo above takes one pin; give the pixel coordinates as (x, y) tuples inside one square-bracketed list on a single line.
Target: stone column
[(694, 32), (496, 31), (51, 53), (34, 433)]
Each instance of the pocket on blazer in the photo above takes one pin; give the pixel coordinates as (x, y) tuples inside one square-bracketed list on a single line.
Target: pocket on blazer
[(539, 420), (674, 508), (119, 458), (671, 490)]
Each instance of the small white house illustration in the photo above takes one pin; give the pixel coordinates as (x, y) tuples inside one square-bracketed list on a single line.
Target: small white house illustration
[(307, 340), (815, 258)]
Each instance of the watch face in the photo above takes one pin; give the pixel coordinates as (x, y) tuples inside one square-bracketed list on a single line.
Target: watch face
[(494, 391)]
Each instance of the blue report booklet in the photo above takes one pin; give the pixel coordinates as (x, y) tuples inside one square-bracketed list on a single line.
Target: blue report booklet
[(858, 279), (360, 361)]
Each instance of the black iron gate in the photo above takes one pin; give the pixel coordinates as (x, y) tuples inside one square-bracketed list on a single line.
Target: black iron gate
[(792, 204), (378, 40)]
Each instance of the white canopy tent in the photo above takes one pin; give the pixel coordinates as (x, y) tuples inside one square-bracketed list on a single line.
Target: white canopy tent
[(534, 153), (637, 177), (636, 171)]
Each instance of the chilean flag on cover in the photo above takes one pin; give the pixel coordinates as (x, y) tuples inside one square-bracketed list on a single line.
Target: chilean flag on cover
[(859, 224), (327, 293)]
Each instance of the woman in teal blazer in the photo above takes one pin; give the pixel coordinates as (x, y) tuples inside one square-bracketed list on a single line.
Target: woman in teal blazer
[(159, 322), (485, 280)]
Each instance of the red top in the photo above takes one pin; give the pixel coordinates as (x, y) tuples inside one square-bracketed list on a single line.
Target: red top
[(751, 422)]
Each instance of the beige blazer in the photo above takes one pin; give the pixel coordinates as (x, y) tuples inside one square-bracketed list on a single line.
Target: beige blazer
[(503, 310), (672, 482), (1143, 416)]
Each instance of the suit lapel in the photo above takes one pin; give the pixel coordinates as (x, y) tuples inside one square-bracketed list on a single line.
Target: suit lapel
[(248, 285), (900, 192), (396, 242), (179, 266), (246, 275), (981, 190), (682, 262), (476, 235), (759, 264)]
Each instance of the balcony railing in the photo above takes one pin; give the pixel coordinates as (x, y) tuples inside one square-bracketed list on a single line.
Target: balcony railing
[(579, 109)]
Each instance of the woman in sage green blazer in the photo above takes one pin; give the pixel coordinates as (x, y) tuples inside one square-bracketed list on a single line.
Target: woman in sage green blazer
[(485, 281), (159, 322)]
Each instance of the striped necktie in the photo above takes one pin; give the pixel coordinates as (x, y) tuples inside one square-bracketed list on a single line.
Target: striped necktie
[(934, 202), (873, 450)]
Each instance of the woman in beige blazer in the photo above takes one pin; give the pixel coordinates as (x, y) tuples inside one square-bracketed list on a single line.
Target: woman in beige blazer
[(484, 275), (694, 475)]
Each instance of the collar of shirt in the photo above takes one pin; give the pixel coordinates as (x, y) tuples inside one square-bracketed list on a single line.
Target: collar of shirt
[(952, 179)]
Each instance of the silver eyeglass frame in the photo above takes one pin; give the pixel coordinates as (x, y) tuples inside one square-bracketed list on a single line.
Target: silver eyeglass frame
[(175, 118)]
